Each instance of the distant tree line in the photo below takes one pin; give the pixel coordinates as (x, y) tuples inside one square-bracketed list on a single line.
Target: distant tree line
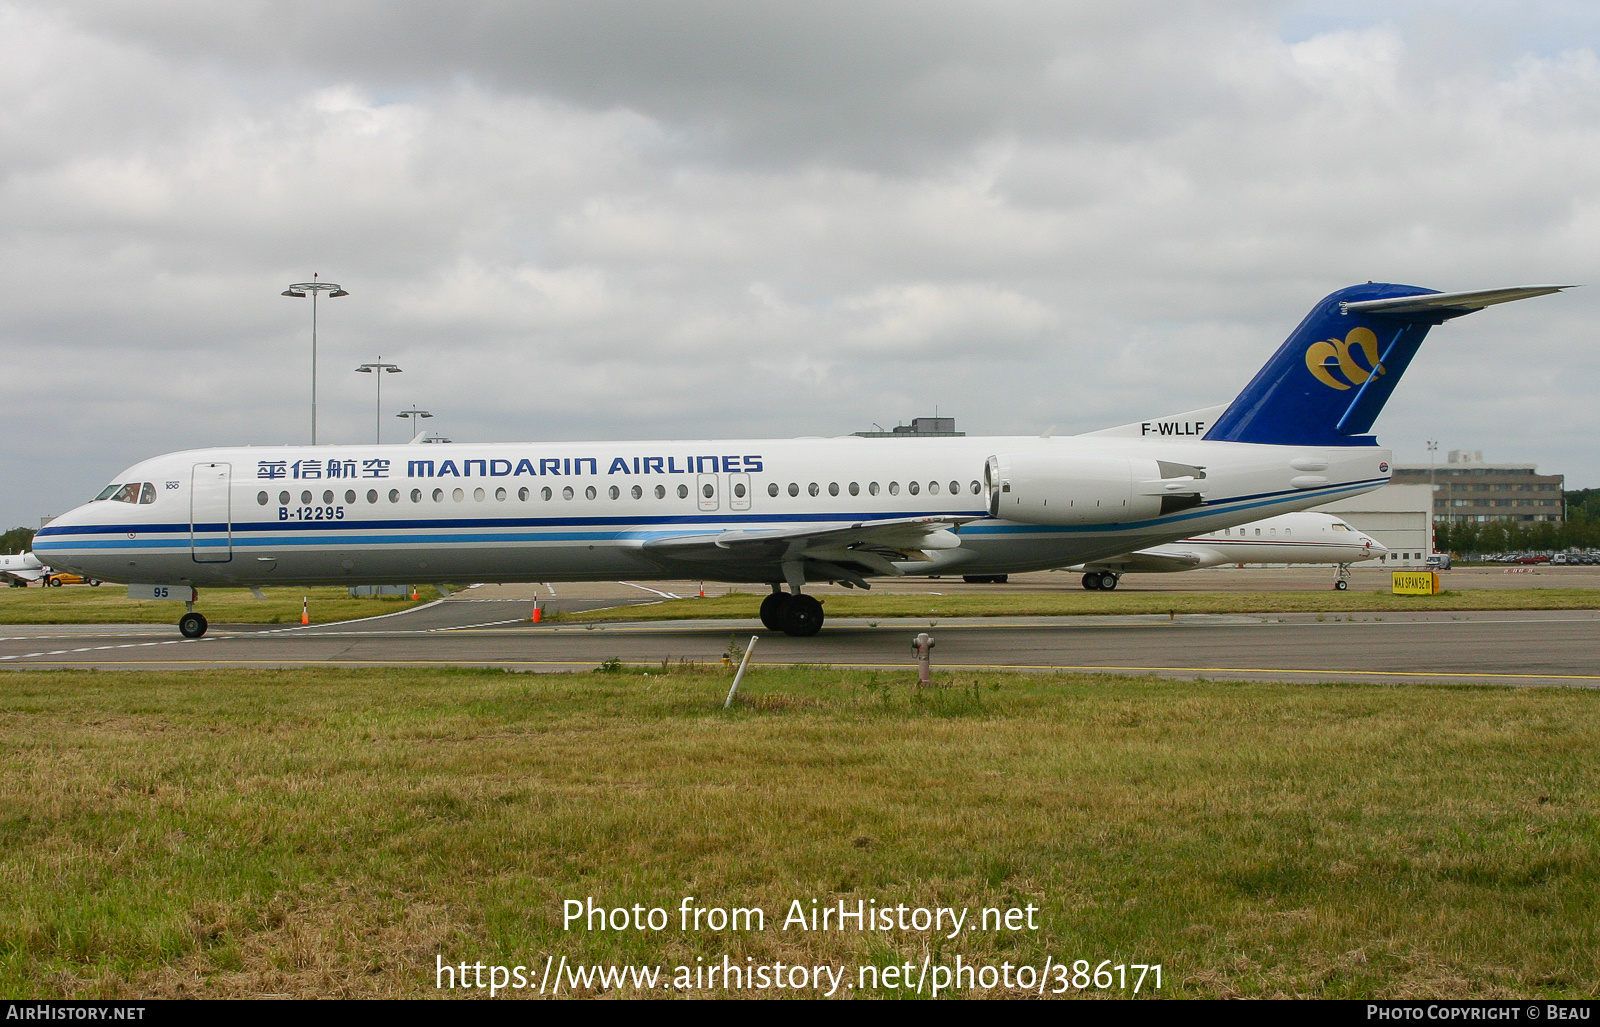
[(1581, 530), (17, 540)]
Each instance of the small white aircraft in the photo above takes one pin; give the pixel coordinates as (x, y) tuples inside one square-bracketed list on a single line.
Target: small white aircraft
[(1303, 537), (21, 569), (761, 511)]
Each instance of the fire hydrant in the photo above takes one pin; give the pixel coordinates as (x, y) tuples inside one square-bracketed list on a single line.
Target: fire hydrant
[(922, 645)]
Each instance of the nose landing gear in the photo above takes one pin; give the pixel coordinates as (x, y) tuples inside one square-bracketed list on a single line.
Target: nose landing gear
[(1342, 582), (793, 614), (191, 624)]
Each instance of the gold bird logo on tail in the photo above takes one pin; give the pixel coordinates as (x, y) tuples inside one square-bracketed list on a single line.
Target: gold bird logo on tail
[(1331, 358)]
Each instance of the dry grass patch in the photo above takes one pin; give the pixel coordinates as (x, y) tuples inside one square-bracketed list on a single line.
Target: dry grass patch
[(332, 832)]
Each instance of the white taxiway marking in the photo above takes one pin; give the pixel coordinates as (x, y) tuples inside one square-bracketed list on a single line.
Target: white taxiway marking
[(668, 595)]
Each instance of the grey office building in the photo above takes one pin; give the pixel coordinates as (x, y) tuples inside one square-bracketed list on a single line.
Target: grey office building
[(1466, 489)]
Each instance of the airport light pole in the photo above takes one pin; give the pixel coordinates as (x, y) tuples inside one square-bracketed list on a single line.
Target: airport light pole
[(299, 292), (380, 369), (416, 419)]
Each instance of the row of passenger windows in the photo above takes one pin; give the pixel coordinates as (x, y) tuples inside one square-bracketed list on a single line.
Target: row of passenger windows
[(615, 492), (872, 488)]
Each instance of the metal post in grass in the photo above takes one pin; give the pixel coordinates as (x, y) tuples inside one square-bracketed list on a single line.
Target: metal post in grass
[(922, 645), (742, 664)]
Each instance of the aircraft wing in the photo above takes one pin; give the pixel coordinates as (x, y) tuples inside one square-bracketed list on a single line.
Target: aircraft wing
[(847, 554), (1150, 561)]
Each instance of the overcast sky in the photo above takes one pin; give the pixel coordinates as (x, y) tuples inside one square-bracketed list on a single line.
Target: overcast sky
[(621, 220)]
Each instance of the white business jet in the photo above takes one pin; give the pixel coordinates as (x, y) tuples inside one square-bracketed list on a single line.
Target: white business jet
[(1303, 537), (21, 569), (780, 513)]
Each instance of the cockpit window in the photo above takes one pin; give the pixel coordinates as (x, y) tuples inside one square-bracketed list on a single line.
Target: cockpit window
[(132, 492), (1337, 526)]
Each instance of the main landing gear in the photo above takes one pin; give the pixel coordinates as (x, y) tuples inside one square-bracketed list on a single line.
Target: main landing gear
[(791, 613), (1101, 580)]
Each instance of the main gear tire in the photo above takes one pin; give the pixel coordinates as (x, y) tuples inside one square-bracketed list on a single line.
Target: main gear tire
[(772, 608), (802, 616), (192, 625), (1091, 581)]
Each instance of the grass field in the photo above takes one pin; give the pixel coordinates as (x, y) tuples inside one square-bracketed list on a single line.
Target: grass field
[(334, 832), (109, 604), (1080, 602)]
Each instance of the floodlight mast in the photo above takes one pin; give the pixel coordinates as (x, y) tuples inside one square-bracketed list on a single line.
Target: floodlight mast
[(299, 291), (415, 417), (380, 369)]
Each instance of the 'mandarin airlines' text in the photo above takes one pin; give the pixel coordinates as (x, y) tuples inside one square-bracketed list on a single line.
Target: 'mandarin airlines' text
[(569, 466)]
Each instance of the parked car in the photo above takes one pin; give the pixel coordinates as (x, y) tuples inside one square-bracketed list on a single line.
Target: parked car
[(1438, 562), (55, 579)]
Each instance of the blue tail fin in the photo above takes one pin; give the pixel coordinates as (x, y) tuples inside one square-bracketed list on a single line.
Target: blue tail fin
[(1327, 383)]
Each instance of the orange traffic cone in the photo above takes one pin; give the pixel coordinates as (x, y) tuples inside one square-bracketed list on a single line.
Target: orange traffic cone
[(305, 610), (537, 612), (702, 590), (413, 593)]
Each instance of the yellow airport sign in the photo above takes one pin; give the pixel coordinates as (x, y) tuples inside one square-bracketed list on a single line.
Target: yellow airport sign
[(1415, 583)]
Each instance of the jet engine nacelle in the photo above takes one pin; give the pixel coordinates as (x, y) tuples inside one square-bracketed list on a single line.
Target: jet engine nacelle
[(1086, 488)]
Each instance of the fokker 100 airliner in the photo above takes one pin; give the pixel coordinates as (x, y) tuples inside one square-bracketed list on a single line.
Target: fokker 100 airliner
[(761, 511)]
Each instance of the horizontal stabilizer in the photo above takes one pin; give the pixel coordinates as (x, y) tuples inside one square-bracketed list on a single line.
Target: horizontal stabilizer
[(1444, 302), (1331, 377)]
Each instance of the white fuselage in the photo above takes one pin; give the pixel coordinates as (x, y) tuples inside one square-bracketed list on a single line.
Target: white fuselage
[(585, 511), (1306, 537), (21, 567)]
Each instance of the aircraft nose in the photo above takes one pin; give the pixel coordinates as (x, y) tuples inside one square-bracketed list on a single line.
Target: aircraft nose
[(1375, 547)]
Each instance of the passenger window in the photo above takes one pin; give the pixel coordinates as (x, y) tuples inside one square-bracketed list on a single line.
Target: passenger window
[(478, 495), (500, 495), (683, 492), (955, 488), (305, 499), (794, 490), (638, 492), (872, 489), (707, 491), (772, 490), (614, 492), (894, 488), (589, 493), (438, 495), (416, 495), (738, 490), (261, 498), (933, 488), (372, 496), (545, 494), (833, 488), (350, 496), (976, 488), (522, 494), (661, 492), (566, 493), (913, 488), (812, 489), (394, 496), (458, 494), (855, 490)]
